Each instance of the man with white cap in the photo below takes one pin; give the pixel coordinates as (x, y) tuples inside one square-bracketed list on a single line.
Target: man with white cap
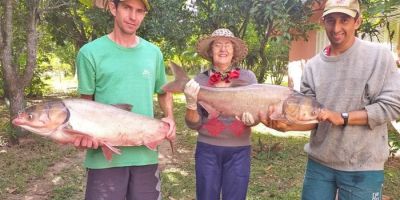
[(359, 85), (123, 68)]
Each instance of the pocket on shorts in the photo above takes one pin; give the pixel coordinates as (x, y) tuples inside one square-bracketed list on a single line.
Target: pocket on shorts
[(360, 194)]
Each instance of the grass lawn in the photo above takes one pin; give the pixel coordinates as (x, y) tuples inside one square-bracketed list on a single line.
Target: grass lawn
[(41, 169)]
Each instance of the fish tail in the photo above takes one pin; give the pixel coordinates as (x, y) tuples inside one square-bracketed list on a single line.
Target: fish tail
[(172, 147), (181, 78)]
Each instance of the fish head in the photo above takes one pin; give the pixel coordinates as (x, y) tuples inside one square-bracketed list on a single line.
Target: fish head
[(301, 109), (43, 119)]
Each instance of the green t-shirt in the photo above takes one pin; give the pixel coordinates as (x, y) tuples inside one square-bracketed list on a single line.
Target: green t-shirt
[(119, 75)]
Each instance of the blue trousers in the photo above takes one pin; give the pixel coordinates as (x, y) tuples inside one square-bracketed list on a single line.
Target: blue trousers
[(321, 182), (222, 171)]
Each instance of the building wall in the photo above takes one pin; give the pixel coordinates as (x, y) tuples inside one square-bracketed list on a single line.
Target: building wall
[(307, 49), (303, 49)]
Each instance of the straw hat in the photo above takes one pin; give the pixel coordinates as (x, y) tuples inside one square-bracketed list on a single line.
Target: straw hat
[(240, 47)]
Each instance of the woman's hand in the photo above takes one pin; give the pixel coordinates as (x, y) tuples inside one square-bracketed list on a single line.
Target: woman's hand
[(191, 90)]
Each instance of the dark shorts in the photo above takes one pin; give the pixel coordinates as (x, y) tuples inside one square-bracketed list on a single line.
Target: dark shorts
[(124, 183), (222, 171), (321, 182)]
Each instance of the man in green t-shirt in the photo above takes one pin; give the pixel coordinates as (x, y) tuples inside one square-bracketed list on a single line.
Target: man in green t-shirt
[(123, 68)]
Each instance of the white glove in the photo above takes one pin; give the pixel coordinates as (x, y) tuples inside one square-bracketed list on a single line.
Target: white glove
[(191, 90), (247, 119)]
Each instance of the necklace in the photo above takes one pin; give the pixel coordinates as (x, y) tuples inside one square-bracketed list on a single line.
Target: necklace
[(226, 76)]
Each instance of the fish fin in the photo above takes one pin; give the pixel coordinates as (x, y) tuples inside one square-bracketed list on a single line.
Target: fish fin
[(172, 147), (181, 78), (123, 106), (238, 83), (108, 151), (68, 129), (278, 117), (212, 112), (152, 145)]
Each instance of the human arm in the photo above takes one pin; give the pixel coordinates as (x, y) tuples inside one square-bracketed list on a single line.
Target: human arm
[(165, 100), (385, 106), (192, 116), (358, 117), (282, 125)]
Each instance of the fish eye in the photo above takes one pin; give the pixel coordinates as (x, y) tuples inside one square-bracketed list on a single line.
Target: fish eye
[(30, 116)]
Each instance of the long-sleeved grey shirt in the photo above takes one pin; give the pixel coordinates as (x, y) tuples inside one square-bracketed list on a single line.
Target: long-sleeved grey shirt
[(223, 130), (363, 77)]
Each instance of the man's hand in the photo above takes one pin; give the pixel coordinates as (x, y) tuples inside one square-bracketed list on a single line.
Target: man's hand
[(191, 90), (330, 116), (85, 142), (171, 135), (282, 125), (247, 119)]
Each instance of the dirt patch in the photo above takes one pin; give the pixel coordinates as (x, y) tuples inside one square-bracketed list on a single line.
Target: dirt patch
[(40, 188), (393, 163), (165, 156)]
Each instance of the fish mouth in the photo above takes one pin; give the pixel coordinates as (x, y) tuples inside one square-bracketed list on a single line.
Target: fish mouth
[(16, 122)]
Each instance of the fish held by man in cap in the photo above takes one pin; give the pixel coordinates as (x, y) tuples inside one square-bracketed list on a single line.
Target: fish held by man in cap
[(289, 105), (110, 126)]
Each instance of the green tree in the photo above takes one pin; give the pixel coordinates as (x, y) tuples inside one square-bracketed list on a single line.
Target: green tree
[(18, 46), (171, 25), (377, 15), (282, 22)]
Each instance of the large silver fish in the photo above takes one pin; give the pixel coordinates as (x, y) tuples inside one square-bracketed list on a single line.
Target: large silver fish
[(64, 120), (290, 106)]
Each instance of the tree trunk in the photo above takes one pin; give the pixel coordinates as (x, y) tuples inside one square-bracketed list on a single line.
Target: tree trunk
[(32, 41), (264, 61), (263, 56), (14, 83)]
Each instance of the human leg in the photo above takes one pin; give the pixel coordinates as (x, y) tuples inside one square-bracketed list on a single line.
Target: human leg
[(144, 183), (319, 182), (364, 185), (107, 184), (208, 172), (236, 173)]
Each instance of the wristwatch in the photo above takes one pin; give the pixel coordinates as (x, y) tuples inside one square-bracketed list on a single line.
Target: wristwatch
[(345, 117)]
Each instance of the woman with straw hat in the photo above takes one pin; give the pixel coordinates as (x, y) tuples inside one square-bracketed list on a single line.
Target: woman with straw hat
[(223, 143)]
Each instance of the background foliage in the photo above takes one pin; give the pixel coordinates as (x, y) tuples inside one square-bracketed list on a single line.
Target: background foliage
[(176, 25)]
